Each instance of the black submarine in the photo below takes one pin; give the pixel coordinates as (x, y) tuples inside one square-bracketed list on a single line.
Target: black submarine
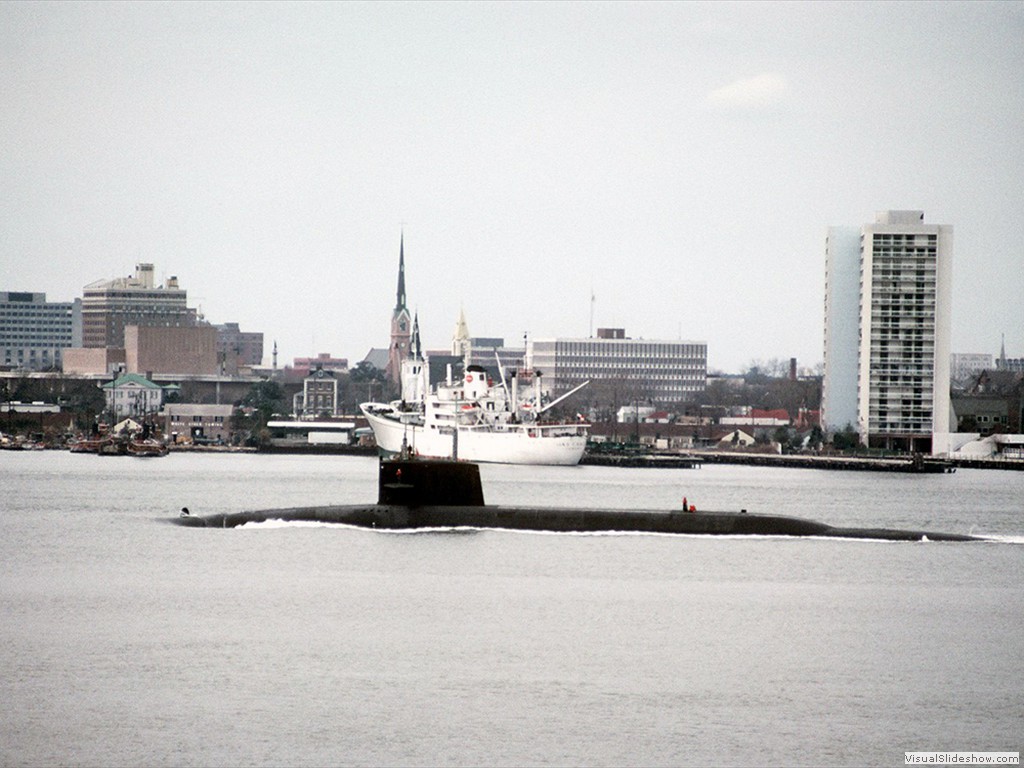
[(439, 493)]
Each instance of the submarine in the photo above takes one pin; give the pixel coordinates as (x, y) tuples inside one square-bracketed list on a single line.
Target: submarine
[(441, 493)]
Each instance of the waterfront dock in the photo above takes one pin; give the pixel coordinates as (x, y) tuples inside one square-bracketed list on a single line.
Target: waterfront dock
[(647, 460), (912, 464), (694, 459)]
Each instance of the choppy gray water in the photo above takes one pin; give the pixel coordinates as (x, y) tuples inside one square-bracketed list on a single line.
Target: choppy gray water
[(128, 641)]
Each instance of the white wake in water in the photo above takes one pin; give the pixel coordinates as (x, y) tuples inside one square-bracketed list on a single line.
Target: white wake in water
[(1004, 539), (279, 524), (274, 524)]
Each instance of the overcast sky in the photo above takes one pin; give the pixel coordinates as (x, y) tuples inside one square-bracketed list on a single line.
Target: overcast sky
[(679, 162)]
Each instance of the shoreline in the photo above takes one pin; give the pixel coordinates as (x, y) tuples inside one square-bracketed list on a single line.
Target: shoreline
[(693, 459), (661, 460)]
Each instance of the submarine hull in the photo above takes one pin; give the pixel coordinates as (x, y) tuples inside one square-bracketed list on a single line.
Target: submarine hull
[(417, 493), (400, 517)]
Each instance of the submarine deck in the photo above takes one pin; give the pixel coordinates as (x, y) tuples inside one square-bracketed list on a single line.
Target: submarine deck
[(564, 520)]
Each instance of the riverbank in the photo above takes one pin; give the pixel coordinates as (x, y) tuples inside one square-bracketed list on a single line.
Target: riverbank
[(688, 460), (694, 459), (917, 464), (648, 460), (302, 450)]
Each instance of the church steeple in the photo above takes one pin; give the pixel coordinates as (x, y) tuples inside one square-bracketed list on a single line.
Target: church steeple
[(400, 302), (460, 339), (415, 350), (401, 323)]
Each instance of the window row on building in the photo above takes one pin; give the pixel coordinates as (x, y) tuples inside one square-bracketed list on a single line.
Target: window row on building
[(664, 371)]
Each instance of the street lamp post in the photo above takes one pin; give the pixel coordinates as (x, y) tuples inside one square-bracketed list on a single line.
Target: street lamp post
[(10, 412)]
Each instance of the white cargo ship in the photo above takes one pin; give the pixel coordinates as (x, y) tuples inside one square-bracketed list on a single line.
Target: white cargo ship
[(474, 420)]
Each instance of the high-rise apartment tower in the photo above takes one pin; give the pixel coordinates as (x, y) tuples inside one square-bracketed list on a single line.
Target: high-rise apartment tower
[(888, 296)]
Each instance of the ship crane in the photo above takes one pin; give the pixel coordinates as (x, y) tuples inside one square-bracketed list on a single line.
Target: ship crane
[(572, 391)]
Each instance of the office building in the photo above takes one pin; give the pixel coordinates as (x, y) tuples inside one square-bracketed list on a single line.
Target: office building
[(887, 359), (488, 352), (34, 332), (320, 396), (237, 349), (132, 396), (494, 356), (204, 423), (965, 365), (109, 306), (665, 372), (91, 361), (306, 366), (173, 351)]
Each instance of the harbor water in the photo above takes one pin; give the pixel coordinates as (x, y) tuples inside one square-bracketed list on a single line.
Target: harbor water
[(126, 640)]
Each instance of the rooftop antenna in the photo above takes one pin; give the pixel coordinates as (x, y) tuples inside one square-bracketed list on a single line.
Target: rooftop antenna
[(592, 300)]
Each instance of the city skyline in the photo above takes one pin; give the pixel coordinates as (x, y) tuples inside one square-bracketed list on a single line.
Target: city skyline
[(679, 162)]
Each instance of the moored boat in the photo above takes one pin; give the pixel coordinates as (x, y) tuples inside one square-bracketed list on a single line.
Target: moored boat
[(474, 420), (147, 448), (88, 444)]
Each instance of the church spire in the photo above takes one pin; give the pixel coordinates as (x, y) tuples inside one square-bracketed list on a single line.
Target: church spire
[(401, 321), (400, 303), (415, 350), (460, 339)]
